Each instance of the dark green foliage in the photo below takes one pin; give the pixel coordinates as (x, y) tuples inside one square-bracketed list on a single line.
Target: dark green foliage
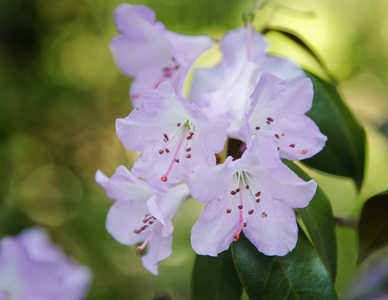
[(344, 153), (373, 226), (298, 275), (215, 278)]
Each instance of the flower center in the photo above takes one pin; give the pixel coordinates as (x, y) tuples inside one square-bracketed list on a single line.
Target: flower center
[(151, 224), (248, 201), (180, 144)]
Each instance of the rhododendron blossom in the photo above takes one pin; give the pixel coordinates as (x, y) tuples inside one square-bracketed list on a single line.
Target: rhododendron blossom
[(278, 113), (259, 99), (32, 268), (174, 136), (255, 194), (142, 214), (151, 54), (223, 91)]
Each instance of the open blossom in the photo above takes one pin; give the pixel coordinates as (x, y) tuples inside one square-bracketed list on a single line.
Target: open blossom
[(32, 268), (150, 53), (223, 91), (174, 136), (278, 113), (142, 215), (255, 194)]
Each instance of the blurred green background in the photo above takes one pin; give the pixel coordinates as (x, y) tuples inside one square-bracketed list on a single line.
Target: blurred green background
[(60, 93)]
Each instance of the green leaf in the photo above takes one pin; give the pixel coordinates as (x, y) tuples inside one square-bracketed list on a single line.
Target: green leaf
[(298, 275), (373, 226), (319, 221), (344, 153), (215, 278)]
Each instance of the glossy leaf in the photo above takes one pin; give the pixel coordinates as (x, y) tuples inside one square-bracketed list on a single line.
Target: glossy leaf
[(373, 226), (215, 278), (344, 152), (319, 221), (298, 275)]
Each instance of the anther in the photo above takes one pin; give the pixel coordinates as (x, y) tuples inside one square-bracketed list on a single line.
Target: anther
[(178, 124), (161, 151), (147, 218), (304, 151), (167, 150), (257, 128), (258, 194), (264, 215), (228, 211), (240, 207), (165, 138), (257, 200), (188, 156), (245, 224), (270, 119), (164, 178), (283, 134), (235, 236), (250, 212), (292, 146), (188, 149), (237, 190), (233, 193), (177, 160), (247, 187), (276, 135)]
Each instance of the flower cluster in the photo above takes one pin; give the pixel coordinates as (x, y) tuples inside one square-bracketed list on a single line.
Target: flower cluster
[(32, 268), (258, 99)]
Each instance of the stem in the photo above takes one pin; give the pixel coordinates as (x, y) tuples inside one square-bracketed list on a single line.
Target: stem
[(347, 222), (277, 4), (257, 5)]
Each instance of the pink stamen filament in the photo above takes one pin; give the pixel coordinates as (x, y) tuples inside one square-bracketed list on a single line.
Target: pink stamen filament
[(164, 178), (138, 95), (236, 235), (140, 248)]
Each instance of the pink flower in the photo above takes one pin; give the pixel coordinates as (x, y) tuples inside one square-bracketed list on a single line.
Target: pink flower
[(32, 268), (224, 91), (150, 53), (142, 214), (255, 194), (174, 136), (278, 113)]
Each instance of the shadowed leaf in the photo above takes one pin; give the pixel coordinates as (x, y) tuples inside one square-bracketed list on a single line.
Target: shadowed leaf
[(373, 226), (319, 221), (344, 152), (215, 278)]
